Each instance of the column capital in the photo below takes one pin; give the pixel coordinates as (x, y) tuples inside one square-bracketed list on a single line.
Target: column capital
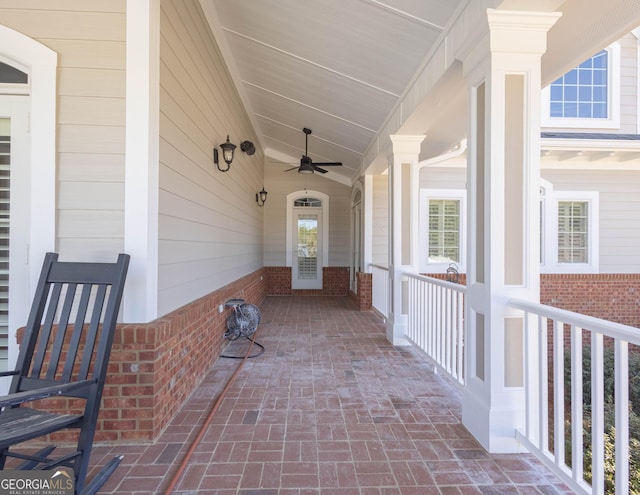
[(407, 148), (520, 31)]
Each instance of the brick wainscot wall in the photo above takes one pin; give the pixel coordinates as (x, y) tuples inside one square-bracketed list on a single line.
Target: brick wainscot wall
[(610, 296), (155, 366), (335, 282)]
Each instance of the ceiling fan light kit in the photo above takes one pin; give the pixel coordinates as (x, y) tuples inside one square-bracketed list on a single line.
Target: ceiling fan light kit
[(228, 148), (306, 164)]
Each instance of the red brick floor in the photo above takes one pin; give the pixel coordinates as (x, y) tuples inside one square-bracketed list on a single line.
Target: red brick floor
[(329, 408)]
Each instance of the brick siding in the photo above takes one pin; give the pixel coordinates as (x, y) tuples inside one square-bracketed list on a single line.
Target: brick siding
[(610, 296), (335, 282), (364, 298), (155, 366), (278, 280)]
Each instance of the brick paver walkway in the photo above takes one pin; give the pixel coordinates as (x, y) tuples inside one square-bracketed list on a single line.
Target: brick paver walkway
[(329, 408)]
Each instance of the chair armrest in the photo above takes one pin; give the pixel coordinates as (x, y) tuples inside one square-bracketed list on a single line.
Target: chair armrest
[(43, 393), (8, 373)]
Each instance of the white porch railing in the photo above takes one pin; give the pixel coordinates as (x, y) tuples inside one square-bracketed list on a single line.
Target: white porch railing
[(567, 373), (560, 422), (380, 289), (436, 322)]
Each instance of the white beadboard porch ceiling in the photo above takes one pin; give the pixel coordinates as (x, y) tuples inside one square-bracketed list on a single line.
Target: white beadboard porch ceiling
[(342, 67), (337, 67)]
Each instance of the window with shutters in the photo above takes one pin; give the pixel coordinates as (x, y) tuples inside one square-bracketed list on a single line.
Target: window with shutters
[(13, 81), (569, 231), (573, 232), (5, 191), (442, 229)]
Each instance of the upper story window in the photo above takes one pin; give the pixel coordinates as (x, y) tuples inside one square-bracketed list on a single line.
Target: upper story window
[(587, 96), (582, 93)]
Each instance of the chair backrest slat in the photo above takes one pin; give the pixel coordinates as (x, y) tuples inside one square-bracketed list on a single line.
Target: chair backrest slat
[(47, 327), (66, 338), (92, 333), (77, 333), (60, 332)]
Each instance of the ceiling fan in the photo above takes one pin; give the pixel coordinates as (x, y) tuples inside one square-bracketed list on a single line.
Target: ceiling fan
[(306, 165)]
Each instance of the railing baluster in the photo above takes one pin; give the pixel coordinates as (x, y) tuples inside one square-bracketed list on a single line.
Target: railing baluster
[(577, 404), (436, 322), (460, 339), (558, 395), (622, 416), (436, 325), (543, 369), (597, 413)]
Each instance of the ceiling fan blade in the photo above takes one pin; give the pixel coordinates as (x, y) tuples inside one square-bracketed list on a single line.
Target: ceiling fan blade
[(290, 169), (329, 164), (318, 169)]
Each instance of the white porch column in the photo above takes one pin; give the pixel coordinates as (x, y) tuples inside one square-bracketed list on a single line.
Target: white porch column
[(367, 224), (142, 160), (503, 72), (403, 213)]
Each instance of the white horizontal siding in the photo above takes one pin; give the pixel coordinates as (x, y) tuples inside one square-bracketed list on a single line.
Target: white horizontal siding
[(92, 82), (89, 38), (628, 85), (279, 184), (59, 20), (380, 230), (443, 177), (619, 213), (210, 229)]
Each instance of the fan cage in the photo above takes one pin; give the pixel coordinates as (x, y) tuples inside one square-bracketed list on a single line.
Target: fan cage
[(243, 321)]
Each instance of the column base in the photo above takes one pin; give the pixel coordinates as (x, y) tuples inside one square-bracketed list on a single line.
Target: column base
[(494, 428), (397, 331)]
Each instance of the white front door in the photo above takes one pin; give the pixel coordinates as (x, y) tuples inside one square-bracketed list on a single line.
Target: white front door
[(14, 225), (307, 249)]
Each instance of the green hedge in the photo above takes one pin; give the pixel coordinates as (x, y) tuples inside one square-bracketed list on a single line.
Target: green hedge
[(609, 417)]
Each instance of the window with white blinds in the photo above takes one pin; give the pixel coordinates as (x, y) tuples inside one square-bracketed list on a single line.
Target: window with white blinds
[(573, 232), (569, 230), (5, 162), (307, 247), (444, 230)]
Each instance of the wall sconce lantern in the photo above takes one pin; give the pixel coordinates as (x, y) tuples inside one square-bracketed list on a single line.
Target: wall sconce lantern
[(228, 149), (261, 197)]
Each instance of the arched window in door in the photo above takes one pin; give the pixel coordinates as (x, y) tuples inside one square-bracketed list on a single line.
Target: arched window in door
[(12, 75), (308, 202)]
